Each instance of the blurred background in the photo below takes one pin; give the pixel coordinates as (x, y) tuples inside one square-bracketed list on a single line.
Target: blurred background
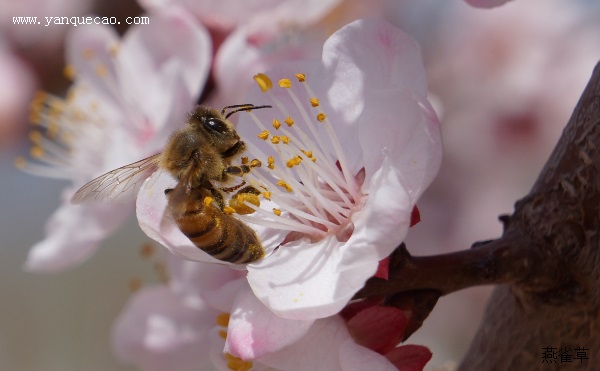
[(504, 82)]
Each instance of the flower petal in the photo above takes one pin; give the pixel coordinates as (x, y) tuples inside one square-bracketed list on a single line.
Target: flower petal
[(409, 131), (354, 357), (157, 332), (378, 328), (409, 357), (255, 331), (73, 233)]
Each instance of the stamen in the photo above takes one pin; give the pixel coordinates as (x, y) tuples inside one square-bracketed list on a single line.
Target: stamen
[(284, 185), (264, 82), (223, 319), (271, 163), (293, 162), (264, 135), (321, 117), (245, 160), (314, 102), (276, 124), (275, 139), (277, 212), (285, 83), (222, 334), (69, 72), (301, 77), (289, 121)]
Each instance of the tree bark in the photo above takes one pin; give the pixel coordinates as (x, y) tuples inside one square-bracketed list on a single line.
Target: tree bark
[(549, 317)]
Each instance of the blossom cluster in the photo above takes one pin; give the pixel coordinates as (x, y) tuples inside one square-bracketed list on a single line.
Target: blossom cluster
[(348, 144)]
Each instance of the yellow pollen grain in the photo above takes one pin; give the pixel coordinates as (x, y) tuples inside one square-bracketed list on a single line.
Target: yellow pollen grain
[(207, 201), (275, 139), (223, 334), (314, 102), (285, 139), (35, 137), (301, 77), (276, 124), (264, 82), (228, 210), (20, 163), (309, 154), (69, 72), (255, 163), (271, 162), (293, 162), (245, 160), (289, 121), (266, 194), (277, 212), (37, 152), (321, 117), (285, 83), (101, 70), (88, 53), (264, 135), (222, 319), (285, 185)]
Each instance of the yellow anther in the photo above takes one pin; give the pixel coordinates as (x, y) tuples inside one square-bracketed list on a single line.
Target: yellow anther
[(53, 128), (223, 334), (285, 185), (237, 203), (245, 160), (321, 117), (277, 212), (294, 162), (69, 72), (285, 139), (276, 124), (271, 162), (101, 70), (35, 136), (314, 102), (223, 319), (285, 83), (263, 81), (255, 163), (20, 163), (289, 121), (88, 53), (267, 195), (113, 50), (264, 135), (301, 77), (37, 152), (309, 154), (228, 210), (208, 201), (275, 139)]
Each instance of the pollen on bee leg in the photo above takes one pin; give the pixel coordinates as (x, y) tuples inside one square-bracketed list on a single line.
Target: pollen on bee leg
[(264, 82), (238, 203), (207, 201), (229, 210)]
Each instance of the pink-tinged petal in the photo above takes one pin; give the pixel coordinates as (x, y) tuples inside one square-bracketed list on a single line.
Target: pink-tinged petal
[(382, 223), (378, 328), (305, 281), (73, 233), (486, 3), (370, 55), (196, 282), (409, 357), (255, 331), (317, 350), (354, 357), (156, 331), (410, 133)]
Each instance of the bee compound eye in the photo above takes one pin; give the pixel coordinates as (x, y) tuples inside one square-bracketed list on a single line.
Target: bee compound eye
[(215, 124)]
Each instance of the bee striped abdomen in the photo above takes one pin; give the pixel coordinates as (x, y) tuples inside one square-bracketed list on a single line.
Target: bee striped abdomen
[(218, 234)]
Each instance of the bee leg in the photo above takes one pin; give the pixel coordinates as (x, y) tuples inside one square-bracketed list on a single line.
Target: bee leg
[(216, 195), (248, 189), (240, 170)]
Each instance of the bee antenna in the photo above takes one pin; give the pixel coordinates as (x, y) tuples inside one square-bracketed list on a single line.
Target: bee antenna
[(241, 107)]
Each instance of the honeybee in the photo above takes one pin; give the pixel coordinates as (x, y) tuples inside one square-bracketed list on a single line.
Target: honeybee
[(198, 156)]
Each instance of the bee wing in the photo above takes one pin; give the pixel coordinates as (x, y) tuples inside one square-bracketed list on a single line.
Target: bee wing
[(118, 185)]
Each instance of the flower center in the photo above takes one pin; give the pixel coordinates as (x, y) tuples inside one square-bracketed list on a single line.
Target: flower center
[(307, 174)]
